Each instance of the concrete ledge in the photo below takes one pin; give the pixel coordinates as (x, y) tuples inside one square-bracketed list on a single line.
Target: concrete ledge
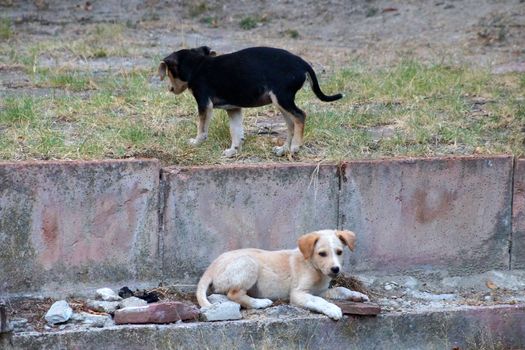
[(518, 217), (63, 223), (421, 215), (467, 327), (210, 210)]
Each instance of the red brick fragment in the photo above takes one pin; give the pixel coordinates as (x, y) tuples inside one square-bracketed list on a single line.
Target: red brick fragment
[(157, 313), (353, 308)]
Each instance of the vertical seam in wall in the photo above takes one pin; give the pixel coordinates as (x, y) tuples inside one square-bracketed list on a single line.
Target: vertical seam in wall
[(163, 197), (341, 167), (512, 175)]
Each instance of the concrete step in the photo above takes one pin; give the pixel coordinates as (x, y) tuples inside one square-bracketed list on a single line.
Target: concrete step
[(466, 327)]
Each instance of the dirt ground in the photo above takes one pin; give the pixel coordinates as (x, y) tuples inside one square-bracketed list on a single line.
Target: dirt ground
[(329, 33)]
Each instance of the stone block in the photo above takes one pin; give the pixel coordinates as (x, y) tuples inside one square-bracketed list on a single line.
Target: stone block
[(210, 210), (157, 313), (427, 215), (70, 222)]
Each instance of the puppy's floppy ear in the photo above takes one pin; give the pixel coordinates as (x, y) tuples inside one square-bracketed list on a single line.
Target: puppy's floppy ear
[(347, 237), (205, 51), (162, 70), (307, 243)]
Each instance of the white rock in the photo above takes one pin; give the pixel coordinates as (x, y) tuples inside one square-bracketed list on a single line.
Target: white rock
[(98, 321), (107, 294), (217, 298), (103, 306), (227, 310), (59, 312), (131, 302)]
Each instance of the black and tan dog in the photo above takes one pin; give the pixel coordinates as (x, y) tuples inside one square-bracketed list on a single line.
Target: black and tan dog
[(251, 77)]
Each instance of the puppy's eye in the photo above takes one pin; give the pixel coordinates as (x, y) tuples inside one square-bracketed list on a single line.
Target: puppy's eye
[(339, 252), (323, 254)]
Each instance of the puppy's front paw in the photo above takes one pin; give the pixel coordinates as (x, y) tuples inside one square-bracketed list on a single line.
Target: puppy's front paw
[(197, 141), (261, 303), (333, 311), (230, 152), (359, 297)]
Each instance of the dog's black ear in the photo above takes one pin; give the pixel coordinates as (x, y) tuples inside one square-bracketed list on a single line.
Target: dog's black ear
[(205, 51), (162, 70)]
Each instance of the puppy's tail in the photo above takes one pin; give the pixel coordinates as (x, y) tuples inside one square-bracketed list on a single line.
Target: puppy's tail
[(317, 90), (202, 288)]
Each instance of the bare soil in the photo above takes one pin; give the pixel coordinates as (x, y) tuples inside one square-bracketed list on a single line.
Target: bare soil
[(329, 33)]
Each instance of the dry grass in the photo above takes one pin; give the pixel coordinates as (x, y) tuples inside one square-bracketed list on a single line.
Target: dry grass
[(408, 109)]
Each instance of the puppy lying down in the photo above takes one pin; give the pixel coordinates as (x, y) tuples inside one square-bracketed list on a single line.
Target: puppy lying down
[(255, 277)]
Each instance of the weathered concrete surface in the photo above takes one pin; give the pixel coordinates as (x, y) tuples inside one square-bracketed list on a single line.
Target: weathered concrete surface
[(421, 215), (63, 223), (498, 327), (210, 210), (518, 216)]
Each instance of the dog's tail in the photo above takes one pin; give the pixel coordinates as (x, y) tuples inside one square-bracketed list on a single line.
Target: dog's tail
[(202, 288), (317, 90)]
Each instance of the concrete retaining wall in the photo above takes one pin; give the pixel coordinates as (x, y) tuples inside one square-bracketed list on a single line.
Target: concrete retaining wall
[(64, 223), (429, 214), (499, 327), (111, 222), (210, 210), (518, 216)]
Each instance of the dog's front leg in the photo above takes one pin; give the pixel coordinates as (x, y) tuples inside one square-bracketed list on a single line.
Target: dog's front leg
[(236, 132), (317, 304), (205, 115), (342, 293)]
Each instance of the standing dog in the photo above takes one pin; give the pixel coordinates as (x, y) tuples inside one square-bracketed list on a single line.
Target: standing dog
[(254, 277), (251, 77)]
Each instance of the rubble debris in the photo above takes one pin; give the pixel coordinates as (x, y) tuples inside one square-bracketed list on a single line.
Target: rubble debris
[(103, 306), (107, 294), (157, 313), (59, 312), (353, 308), (132, 302), (221, 311), (125, 292)]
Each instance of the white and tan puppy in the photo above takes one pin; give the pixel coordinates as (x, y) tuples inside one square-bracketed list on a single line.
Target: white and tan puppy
[(255, 277)]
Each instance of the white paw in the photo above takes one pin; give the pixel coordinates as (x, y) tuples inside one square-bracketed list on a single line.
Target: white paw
[(333, 311), (197, 141), (230, 152), (279, 151), (294, 149), (359, 297), (261, 303)]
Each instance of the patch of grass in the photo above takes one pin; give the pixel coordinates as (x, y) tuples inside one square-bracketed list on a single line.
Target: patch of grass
[(292, 33), (409, 109), (248, 23), (5, 29), (17, 110)]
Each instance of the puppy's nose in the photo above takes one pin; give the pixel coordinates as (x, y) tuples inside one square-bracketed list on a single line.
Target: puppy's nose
[(335, 269), (172, 89)]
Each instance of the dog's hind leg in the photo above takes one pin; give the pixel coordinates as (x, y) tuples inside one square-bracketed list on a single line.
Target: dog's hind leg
[(240, 296), (236, 132), (236, 278), (298, 117), (282, 150)]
